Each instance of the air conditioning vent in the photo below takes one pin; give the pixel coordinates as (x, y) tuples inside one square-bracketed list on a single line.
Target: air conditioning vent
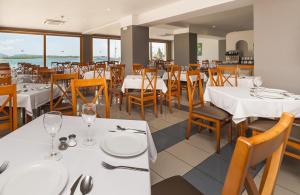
[(55, 21)]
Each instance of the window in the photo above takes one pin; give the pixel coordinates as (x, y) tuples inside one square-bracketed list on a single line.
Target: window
[(15, 48), (100, 50), (62, 49), (115, 50), (158, 51)]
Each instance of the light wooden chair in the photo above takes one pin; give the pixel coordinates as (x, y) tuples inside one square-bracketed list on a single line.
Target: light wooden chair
[(194, 66), (248, 152), (8, 109), (44, 75), (64, 102), (82, 69), (101, 86), (199, 112), (293, 144), (99, 71), (137, 69), (147, 96), (5, 80), (227, 74), (116, 81), (174, 86), (214, 77)]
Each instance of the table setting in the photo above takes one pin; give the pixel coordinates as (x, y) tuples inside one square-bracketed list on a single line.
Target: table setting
[(135, 82), (96, 155), (90, 75), (183, 76)]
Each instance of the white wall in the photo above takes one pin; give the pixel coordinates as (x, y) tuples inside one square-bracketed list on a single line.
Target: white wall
[(277, 43), (210, 49), (233, 37)]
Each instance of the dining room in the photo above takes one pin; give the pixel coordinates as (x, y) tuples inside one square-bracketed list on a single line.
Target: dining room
[(181, 97)]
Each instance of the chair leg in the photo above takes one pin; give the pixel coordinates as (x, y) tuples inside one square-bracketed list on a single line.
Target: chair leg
[(129, 106), (178, 101), (189, 127), (170, 104), (161, 102), (111, 97), (121, 101), (142, 111), (229, 133), (218, 128), (155, 107)]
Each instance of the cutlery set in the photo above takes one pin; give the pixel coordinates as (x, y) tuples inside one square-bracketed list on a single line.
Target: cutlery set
[(111, 167), (4, 166), (86, 185), (120, 128)]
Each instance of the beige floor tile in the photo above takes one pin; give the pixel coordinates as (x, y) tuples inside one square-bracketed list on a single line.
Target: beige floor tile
[(289, 178), (168, 165), (282, 191), (153, 129), (205, 142), (159, 123), (155, 178), (188, 153), (172, 118)]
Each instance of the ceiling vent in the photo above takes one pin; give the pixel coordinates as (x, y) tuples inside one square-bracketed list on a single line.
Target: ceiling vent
[(55, 22)]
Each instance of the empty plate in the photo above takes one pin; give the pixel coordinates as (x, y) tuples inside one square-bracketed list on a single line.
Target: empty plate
[(124, 144), (44, 177)]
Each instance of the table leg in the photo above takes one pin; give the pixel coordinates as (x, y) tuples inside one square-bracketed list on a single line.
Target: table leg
[(126, 96), (242, 128)]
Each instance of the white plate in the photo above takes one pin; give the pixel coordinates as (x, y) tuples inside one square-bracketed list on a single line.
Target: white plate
[(44, 177), (274, 90), (124, 144), (271, 95)]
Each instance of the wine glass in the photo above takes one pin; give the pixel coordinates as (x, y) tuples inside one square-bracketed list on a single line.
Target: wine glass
[(52, 123), (257, 82), (88, 115)]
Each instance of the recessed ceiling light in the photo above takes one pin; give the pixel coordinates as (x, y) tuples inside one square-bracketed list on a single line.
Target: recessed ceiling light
[(108, 9), (213, 26)]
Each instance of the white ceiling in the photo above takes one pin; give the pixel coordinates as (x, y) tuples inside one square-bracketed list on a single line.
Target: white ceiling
[(81, 15)]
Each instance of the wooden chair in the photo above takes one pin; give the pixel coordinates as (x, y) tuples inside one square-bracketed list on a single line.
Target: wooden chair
[(249, 69), (99, 71), (82, 69), (248, 152), (44, 75), (77, 84), (174, 86), (64, 102), (8, 109), (147, 96), (116, 81), (137, 69), (293, 144), (5, 72), (5, 80), (199, 112), (194, 66), (4, 66), (226, 74), (214, 77), (205, 64)]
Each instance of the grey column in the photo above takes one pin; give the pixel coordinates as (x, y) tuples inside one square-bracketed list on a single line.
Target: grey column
[(135, 46), (185, 49)]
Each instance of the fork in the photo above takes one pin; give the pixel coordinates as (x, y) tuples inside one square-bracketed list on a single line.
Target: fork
[(4, 166), (111, 167)]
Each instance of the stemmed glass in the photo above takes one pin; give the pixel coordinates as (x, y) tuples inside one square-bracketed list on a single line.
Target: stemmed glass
[(52, 123), (257, 82), (88, 115)]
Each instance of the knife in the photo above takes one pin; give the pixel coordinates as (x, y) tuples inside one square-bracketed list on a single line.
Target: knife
[(74, 186)]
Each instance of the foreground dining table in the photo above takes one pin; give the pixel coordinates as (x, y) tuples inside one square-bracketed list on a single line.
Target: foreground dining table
[(239, 102), (31, 143)]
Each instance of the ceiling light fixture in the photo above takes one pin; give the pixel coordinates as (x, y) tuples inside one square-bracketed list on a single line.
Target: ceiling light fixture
[(108, 9), (213, 26), (55, 22)]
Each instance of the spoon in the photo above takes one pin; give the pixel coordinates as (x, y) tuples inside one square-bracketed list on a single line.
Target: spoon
[(86, 185)]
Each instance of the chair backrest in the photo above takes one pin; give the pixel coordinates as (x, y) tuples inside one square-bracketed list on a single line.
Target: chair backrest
[(194, 66), (63, 83), (249, 69), (82, 69), (228, 75), (205, 64), (100, 84), (44, 74), (99, 71), (8, 109), (116, 76), (214, 77), (149, 79), (4, 66), (269, 146), (5, 80), (174, 72), (137, 69), (195, 88), (5, 72)]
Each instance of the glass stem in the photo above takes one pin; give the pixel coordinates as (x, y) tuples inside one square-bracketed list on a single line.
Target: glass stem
[(52, 146), (89, 132)]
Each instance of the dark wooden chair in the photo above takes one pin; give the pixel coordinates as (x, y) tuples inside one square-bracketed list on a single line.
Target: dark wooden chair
[(199, 112), (99, 71), (137, 69), (116, 81), (227, 74), (248, 152)]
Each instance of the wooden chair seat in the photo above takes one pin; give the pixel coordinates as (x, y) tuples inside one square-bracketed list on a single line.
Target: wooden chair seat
[(116, 90), (212, 112), (263, 125), (175, 185)]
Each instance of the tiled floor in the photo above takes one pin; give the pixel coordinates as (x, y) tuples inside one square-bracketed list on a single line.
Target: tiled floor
[(195, 159)]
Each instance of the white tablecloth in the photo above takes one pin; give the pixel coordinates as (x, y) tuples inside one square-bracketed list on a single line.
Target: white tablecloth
[(238, 102), (34, 97), (31, 143), (246, 81), (183, 76), (135, 82), (90, 75)]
